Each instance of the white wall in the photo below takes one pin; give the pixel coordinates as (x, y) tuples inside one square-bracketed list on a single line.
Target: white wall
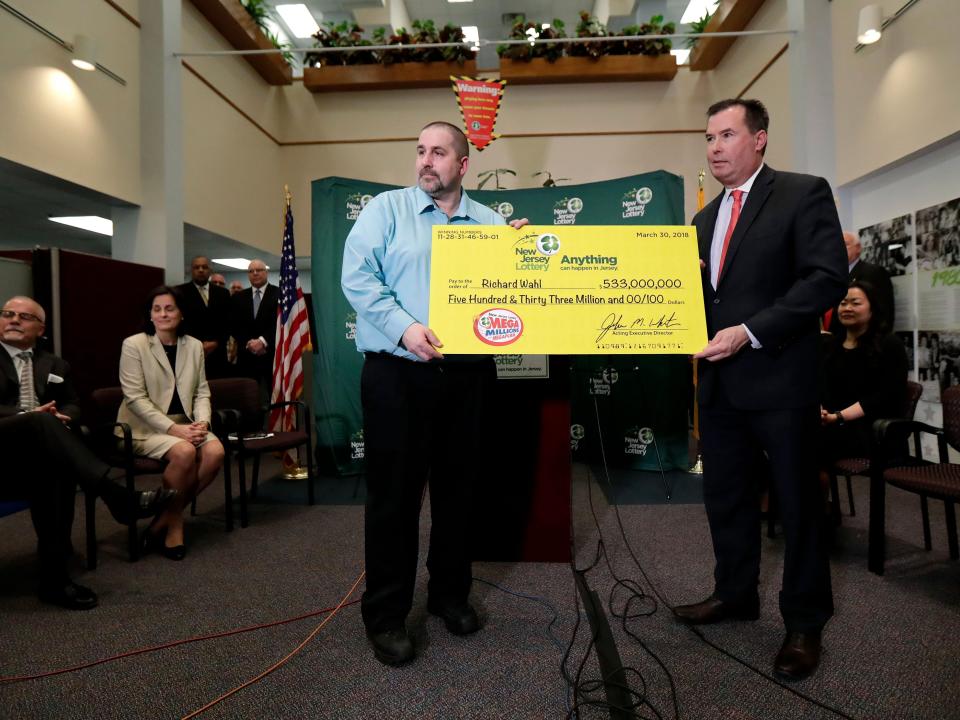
[(928, 178)]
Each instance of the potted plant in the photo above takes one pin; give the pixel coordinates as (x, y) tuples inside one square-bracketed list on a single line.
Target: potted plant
[(243, 24), (408, 66), (731, 16), (611, 61)]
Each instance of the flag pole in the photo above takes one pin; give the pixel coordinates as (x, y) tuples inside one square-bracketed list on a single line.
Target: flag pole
[(295, 471), (697, 468)]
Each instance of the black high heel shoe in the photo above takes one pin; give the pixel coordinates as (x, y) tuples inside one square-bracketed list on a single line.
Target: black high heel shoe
[(156, 542), (177, 552)]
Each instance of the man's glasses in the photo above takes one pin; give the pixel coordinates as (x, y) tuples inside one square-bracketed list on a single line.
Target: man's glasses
[(26, 317)]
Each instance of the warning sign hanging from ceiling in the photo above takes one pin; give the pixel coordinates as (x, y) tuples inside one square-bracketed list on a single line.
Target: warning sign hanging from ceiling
[(479, 102)]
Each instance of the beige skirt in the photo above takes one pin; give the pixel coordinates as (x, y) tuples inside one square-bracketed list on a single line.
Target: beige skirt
[(157, 445)]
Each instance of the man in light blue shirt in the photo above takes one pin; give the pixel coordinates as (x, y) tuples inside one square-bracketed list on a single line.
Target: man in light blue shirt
[(422, 412)]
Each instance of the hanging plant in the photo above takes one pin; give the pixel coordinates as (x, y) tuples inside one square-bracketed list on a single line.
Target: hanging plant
[(588, 27), (698, 26), (656, 27), (523, 30), (340, 35), (259, 11)]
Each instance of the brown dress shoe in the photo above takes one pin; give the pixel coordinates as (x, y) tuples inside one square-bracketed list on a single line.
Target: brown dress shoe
[(798, 657), (713, 610)]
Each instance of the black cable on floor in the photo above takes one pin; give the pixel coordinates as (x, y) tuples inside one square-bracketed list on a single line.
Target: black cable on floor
[(696, 631)]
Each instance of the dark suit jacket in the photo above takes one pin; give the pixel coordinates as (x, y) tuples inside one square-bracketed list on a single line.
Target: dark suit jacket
[(44, 364), (785, 266), (246, 327), (208, 321), (879, 278)]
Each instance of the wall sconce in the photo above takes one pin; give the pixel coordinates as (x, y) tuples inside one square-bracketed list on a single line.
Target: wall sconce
[(871, 24), (84, 53)]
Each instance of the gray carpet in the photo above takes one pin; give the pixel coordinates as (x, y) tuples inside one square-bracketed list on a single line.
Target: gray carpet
[(890, 650)]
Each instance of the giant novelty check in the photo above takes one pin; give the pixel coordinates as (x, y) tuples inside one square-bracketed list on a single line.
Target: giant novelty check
[(567, 290)]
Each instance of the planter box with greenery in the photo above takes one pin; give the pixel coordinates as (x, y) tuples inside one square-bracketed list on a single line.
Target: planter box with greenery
[(614, 61), (406, 67), (730, 16), (238, 25)]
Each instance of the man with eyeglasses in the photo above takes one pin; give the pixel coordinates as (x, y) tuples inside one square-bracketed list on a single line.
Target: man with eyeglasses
[(43, 460), (254, 325)]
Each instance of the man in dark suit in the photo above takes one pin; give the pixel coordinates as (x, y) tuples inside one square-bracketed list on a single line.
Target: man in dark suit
[(875, 275), (254, 326), (773, 262), (43, 460), (206, 315)]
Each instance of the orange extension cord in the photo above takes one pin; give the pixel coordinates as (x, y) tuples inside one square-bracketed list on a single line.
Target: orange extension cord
[(331, 612)]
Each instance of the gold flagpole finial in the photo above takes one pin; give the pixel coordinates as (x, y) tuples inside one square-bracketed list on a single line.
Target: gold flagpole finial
[(700, 176), (286, 193)]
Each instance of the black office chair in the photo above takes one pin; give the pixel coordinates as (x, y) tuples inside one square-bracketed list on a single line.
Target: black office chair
[(246, 438), (118, 454), (848, 467), (939, 481)]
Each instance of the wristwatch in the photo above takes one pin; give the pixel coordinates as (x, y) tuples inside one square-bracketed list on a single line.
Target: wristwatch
[(839, 416)]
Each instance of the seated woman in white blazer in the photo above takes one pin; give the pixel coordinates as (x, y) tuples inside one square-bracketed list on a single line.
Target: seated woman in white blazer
[(166, 403)]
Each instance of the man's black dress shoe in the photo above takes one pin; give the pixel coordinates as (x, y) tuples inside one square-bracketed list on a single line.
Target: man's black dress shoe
[(70, 596), (798, 657), (392, 647), (146, 503), (713, 610), (459, 619)]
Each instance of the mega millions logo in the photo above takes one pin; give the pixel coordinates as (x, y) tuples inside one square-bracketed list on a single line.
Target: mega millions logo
[(498, 326), (355, 203), (635, 202), (566, 210), (503, 209)]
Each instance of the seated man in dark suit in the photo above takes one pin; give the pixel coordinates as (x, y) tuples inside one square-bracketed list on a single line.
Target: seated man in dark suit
[(206, 315), (43, 459)]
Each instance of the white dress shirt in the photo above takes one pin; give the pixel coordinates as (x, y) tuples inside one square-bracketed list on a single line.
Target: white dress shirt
[(720, 231)]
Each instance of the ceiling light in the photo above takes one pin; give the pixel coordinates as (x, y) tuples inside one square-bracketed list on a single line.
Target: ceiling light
[(697, 9), (298, 18), (238, 263), (682, 56), (84, 53), (870, 25), (93, 223), (458, 1)]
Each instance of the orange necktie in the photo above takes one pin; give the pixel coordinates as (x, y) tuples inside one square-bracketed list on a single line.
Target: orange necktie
[(734, 216)]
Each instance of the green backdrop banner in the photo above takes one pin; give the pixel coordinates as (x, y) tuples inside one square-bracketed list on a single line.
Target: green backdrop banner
[(641, 400)]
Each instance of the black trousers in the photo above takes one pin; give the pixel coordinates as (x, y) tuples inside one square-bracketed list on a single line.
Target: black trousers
[(43, 462), (739, 446), (422, 423)]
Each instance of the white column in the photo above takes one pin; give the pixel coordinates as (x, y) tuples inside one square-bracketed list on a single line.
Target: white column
[(153, 233), (811, 88)]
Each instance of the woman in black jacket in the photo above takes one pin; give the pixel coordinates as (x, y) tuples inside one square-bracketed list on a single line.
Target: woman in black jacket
[(864, 377)]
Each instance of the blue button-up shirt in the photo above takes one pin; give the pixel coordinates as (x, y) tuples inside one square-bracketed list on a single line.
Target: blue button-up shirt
[(386, 263)]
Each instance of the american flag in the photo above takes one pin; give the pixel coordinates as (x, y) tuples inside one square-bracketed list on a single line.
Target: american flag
[(293, 336)]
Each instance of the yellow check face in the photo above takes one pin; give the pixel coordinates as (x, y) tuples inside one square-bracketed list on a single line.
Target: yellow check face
[(566, 290)]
